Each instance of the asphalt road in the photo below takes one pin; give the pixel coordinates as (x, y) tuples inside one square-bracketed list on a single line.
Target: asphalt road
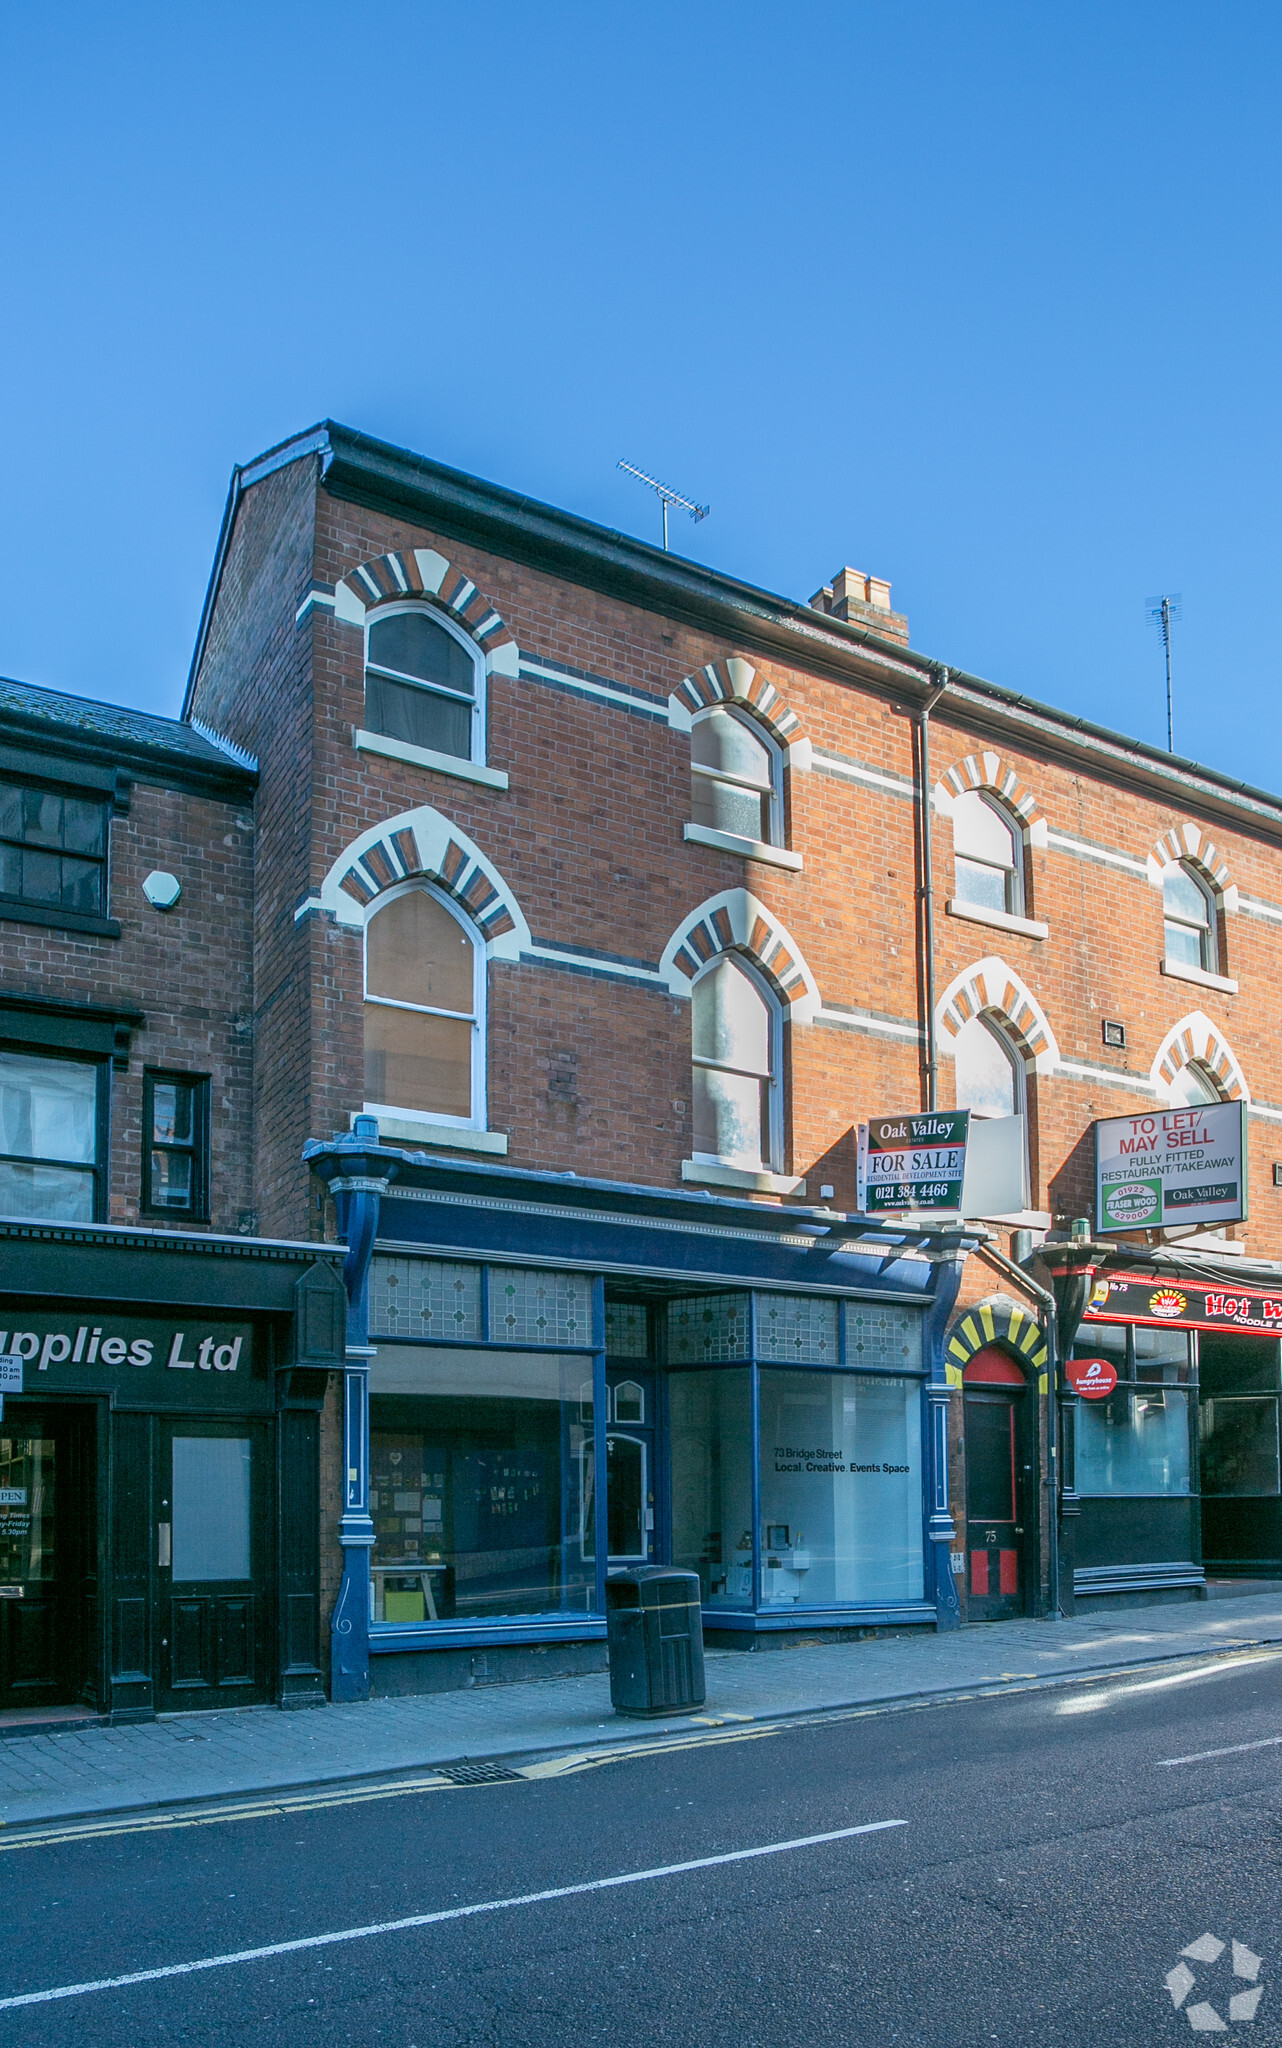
[(1050, 1869)]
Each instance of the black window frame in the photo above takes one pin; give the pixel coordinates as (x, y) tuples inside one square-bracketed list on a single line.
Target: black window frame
[(101, 788), (198, 1149), (100, 1170)]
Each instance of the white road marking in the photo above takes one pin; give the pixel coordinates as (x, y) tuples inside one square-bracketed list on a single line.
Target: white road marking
[(1202, 1756), (565, 1891)]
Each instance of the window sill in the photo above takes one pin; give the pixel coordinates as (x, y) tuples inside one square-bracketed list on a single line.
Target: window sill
[(1001, 920), (14, 911), (742, 1177), (423, 757), (407, 1130), (1199, 976), (749, 849)]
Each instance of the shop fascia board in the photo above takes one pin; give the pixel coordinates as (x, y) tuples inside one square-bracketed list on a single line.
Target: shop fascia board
[(622, 1198), (131, 1265), (377, 475)]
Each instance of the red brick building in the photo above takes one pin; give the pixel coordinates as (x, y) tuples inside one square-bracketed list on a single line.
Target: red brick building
[(597, 899)]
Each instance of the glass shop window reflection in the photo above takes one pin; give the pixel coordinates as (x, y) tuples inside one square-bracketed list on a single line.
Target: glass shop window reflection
[(841, 1480), (480, 1464)]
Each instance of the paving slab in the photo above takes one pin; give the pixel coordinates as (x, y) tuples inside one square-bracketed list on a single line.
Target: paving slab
[(185, 1757)]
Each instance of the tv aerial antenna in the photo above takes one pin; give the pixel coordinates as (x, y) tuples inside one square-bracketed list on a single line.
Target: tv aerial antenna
[(667, 496), (1165, 612)]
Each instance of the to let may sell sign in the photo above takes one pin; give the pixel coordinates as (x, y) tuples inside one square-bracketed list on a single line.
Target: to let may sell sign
[(913, 1162), (1172, 1168)]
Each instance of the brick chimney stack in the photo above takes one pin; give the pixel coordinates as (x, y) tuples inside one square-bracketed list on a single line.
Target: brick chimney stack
[(864, 601)]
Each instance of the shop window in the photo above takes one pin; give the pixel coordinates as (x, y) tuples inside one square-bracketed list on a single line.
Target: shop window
[(735, 1031), (424, 1011), (1135, 1442), (478, 1463), (1189, 913), (710, 1439), (989, 1071), (1239, 1395), (424, 683), (735, 777), (53, 849), (53, 1116), (989, 856), (175, 1160), (841, 1490)]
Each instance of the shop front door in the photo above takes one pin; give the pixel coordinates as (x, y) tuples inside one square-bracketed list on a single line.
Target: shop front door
[(210, 1523), (630, 1469), (46, 1529), (995, 1487)]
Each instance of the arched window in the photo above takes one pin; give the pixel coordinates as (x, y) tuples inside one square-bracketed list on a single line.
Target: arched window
[(424, 1010), (989, 855), (1188, 908), (737, 1120), (990, 1073), (734, 771), (1193, 1085), (424, 683)]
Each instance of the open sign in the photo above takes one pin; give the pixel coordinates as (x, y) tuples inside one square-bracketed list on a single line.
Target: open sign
[(1093, 1377)]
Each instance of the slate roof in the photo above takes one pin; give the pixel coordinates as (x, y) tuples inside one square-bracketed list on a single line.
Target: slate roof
[(115, 734)]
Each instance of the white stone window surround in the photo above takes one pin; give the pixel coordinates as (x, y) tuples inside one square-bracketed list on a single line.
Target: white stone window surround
[(748, 849), (423, 1123), (1178, 970), (1000, 920), (425, 757)]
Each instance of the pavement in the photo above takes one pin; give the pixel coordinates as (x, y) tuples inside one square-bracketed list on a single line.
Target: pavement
[(184, 1757)]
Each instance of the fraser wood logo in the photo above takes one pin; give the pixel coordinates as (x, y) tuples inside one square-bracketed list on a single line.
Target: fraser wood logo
[(88, 1346)]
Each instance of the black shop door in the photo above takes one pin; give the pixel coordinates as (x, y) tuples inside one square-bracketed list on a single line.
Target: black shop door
[(47, 1551), (211, 1552), (995, 1546)]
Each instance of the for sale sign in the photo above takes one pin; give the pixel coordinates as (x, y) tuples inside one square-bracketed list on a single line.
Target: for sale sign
[(1171, 1168), (913, 1161)]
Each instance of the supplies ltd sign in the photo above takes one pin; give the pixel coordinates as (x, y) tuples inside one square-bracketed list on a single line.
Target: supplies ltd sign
[(1171, 1169)]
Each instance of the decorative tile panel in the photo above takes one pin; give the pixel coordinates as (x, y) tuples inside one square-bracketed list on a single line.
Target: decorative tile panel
[(796, 1329), (424, 1298), (885, 1337), (534, 1305), (711, 1329), (627, 1329)]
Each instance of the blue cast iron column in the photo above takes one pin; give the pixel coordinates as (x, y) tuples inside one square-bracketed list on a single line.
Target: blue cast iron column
[(357, 1170), (949, 1261)]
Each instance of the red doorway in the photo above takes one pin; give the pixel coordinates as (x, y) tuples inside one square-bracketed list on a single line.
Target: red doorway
[(996, 1472)]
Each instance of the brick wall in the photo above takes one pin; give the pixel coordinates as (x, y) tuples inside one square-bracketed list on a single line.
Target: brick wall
[(187, 970), (592, 1074)]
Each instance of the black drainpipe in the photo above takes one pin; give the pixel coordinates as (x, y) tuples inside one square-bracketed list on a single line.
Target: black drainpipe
[(926, 886)]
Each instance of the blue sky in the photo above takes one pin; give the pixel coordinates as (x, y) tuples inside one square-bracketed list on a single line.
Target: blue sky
[(983, 298)]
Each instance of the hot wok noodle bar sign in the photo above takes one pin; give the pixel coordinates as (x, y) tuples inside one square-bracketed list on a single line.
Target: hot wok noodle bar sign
[(1171, 1168), (1139, 1298)]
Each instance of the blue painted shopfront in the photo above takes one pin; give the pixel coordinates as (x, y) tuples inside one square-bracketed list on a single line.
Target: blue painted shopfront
[(550, 1378)]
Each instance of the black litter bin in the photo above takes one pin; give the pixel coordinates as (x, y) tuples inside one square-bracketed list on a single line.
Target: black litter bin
[(654, 1626)]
